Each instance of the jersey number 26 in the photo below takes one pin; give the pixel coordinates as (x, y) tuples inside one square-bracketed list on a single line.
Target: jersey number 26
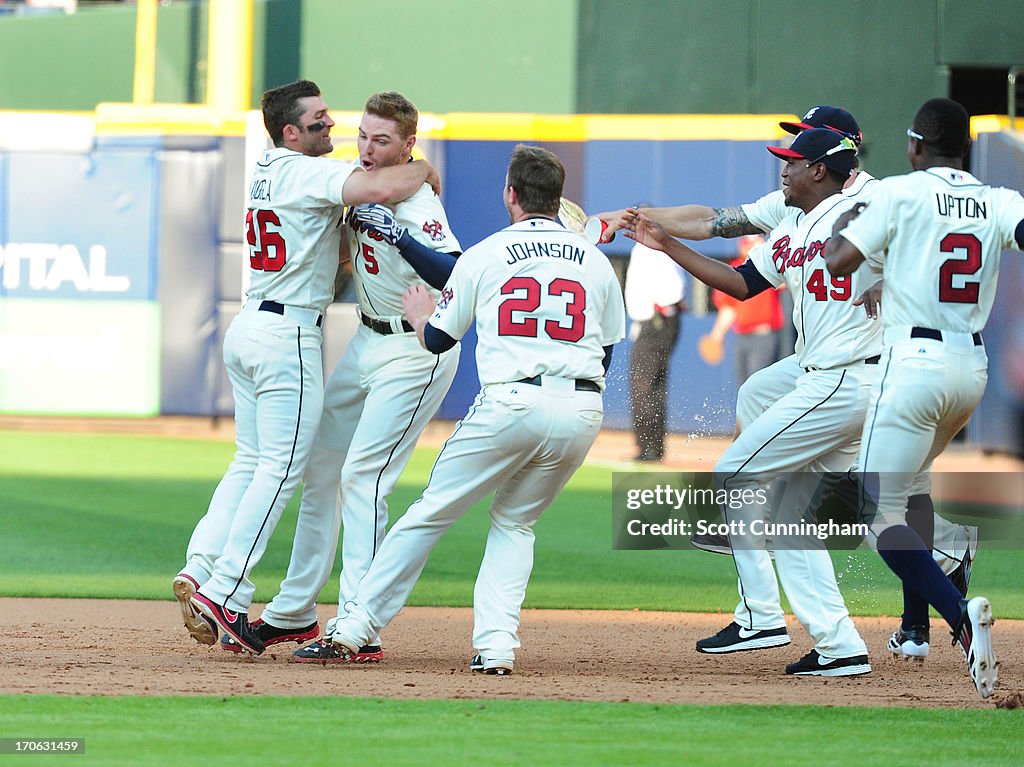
[(267, 251)]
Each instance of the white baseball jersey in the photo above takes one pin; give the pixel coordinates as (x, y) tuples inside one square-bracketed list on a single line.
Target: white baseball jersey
[(831, 331), (767, 212), (945, 232), (378, 400), (380, 273), (546, 302), (293, 227)]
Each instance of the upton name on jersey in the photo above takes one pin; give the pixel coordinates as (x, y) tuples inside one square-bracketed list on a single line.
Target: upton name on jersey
[(945, 253)]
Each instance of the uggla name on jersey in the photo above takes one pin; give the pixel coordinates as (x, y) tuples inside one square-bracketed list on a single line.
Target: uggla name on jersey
[(50, 267)]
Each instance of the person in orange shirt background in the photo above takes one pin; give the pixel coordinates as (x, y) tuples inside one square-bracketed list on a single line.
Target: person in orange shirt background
[(756, 323)]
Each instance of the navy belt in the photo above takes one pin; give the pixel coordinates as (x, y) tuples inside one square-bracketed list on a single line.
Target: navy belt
[(384, 328), (582, 384), (867, 361), (936, 335), (277, 308)]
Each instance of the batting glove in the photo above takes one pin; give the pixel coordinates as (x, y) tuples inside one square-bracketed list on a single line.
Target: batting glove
[(377, 218)]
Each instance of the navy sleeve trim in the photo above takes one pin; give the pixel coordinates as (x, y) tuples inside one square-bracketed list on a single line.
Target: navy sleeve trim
[(437, 341), (607, 361), (1019, 234), (434, 266), (756, 283)]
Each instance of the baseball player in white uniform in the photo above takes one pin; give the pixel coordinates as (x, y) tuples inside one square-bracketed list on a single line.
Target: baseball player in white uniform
[(954, 545), (548, 309), (272, 350), (814, 426), (938, 233), (381, 395)]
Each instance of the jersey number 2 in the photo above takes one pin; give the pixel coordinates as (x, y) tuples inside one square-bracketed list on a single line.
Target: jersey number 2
[(267, 248), (968, 293), (508, 325)]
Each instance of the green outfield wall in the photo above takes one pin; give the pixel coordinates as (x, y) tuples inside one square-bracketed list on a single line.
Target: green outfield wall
[(876, 57)]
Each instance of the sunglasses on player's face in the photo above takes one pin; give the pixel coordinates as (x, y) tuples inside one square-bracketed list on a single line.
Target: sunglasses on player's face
[(845, 144)]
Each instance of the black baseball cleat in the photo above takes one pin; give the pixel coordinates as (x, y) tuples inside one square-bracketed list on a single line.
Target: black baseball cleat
[(325, 651), (716, 544), (909, 643), (271, 635), (974, 636), (735, 638), (961, 576), (235, 625), (481, 665), (813, 664)]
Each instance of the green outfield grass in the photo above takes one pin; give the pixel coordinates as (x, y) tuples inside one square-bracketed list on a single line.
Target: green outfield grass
[(109, 516), (300, 731)]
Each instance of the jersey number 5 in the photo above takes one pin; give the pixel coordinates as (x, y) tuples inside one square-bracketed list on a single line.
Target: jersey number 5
[(968, 293), (508, 325), (267, 251)]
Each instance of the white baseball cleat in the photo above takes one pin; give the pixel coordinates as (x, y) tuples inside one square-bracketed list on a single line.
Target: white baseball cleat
[(202, 629), (482, 665), (909, 643), (974, 635)]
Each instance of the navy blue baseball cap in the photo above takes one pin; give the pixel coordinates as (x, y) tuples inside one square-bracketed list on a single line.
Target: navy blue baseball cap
[(837, 150), (833, 118)]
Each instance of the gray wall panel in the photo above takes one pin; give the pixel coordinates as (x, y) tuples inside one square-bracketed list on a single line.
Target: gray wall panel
[(188, 269)]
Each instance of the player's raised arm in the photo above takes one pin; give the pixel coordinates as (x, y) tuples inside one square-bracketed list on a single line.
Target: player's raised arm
[(391, 184), (691, 222), (709, 271), (842, 257)]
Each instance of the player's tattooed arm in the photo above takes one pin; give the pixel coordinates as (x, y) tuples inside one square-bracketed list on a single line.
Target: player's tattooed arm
[(701, 222), (731, 222), (687, 222)]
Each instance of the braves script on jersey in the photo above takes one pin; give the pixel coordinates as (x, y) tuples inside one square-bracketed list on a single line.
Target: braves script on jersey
[(945, 232), (546, 302), (380, 273), (831, 331), (295, 206)]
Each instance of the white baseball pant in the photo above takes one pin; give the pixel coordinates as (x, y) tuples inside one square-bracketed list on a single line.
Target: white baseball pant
[(379, 398), (275, 366), (815, 427), (929, 389), (522, 441)]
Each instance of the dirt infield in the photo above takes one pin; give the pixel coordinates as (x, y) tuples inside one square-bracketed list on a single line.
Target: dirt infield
[(109, 647), (112, 647)]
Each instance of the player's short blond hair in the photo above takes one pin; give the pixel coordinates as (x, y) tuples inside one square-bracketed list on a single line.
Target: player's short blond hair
[(391, 105), (538, 176)]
